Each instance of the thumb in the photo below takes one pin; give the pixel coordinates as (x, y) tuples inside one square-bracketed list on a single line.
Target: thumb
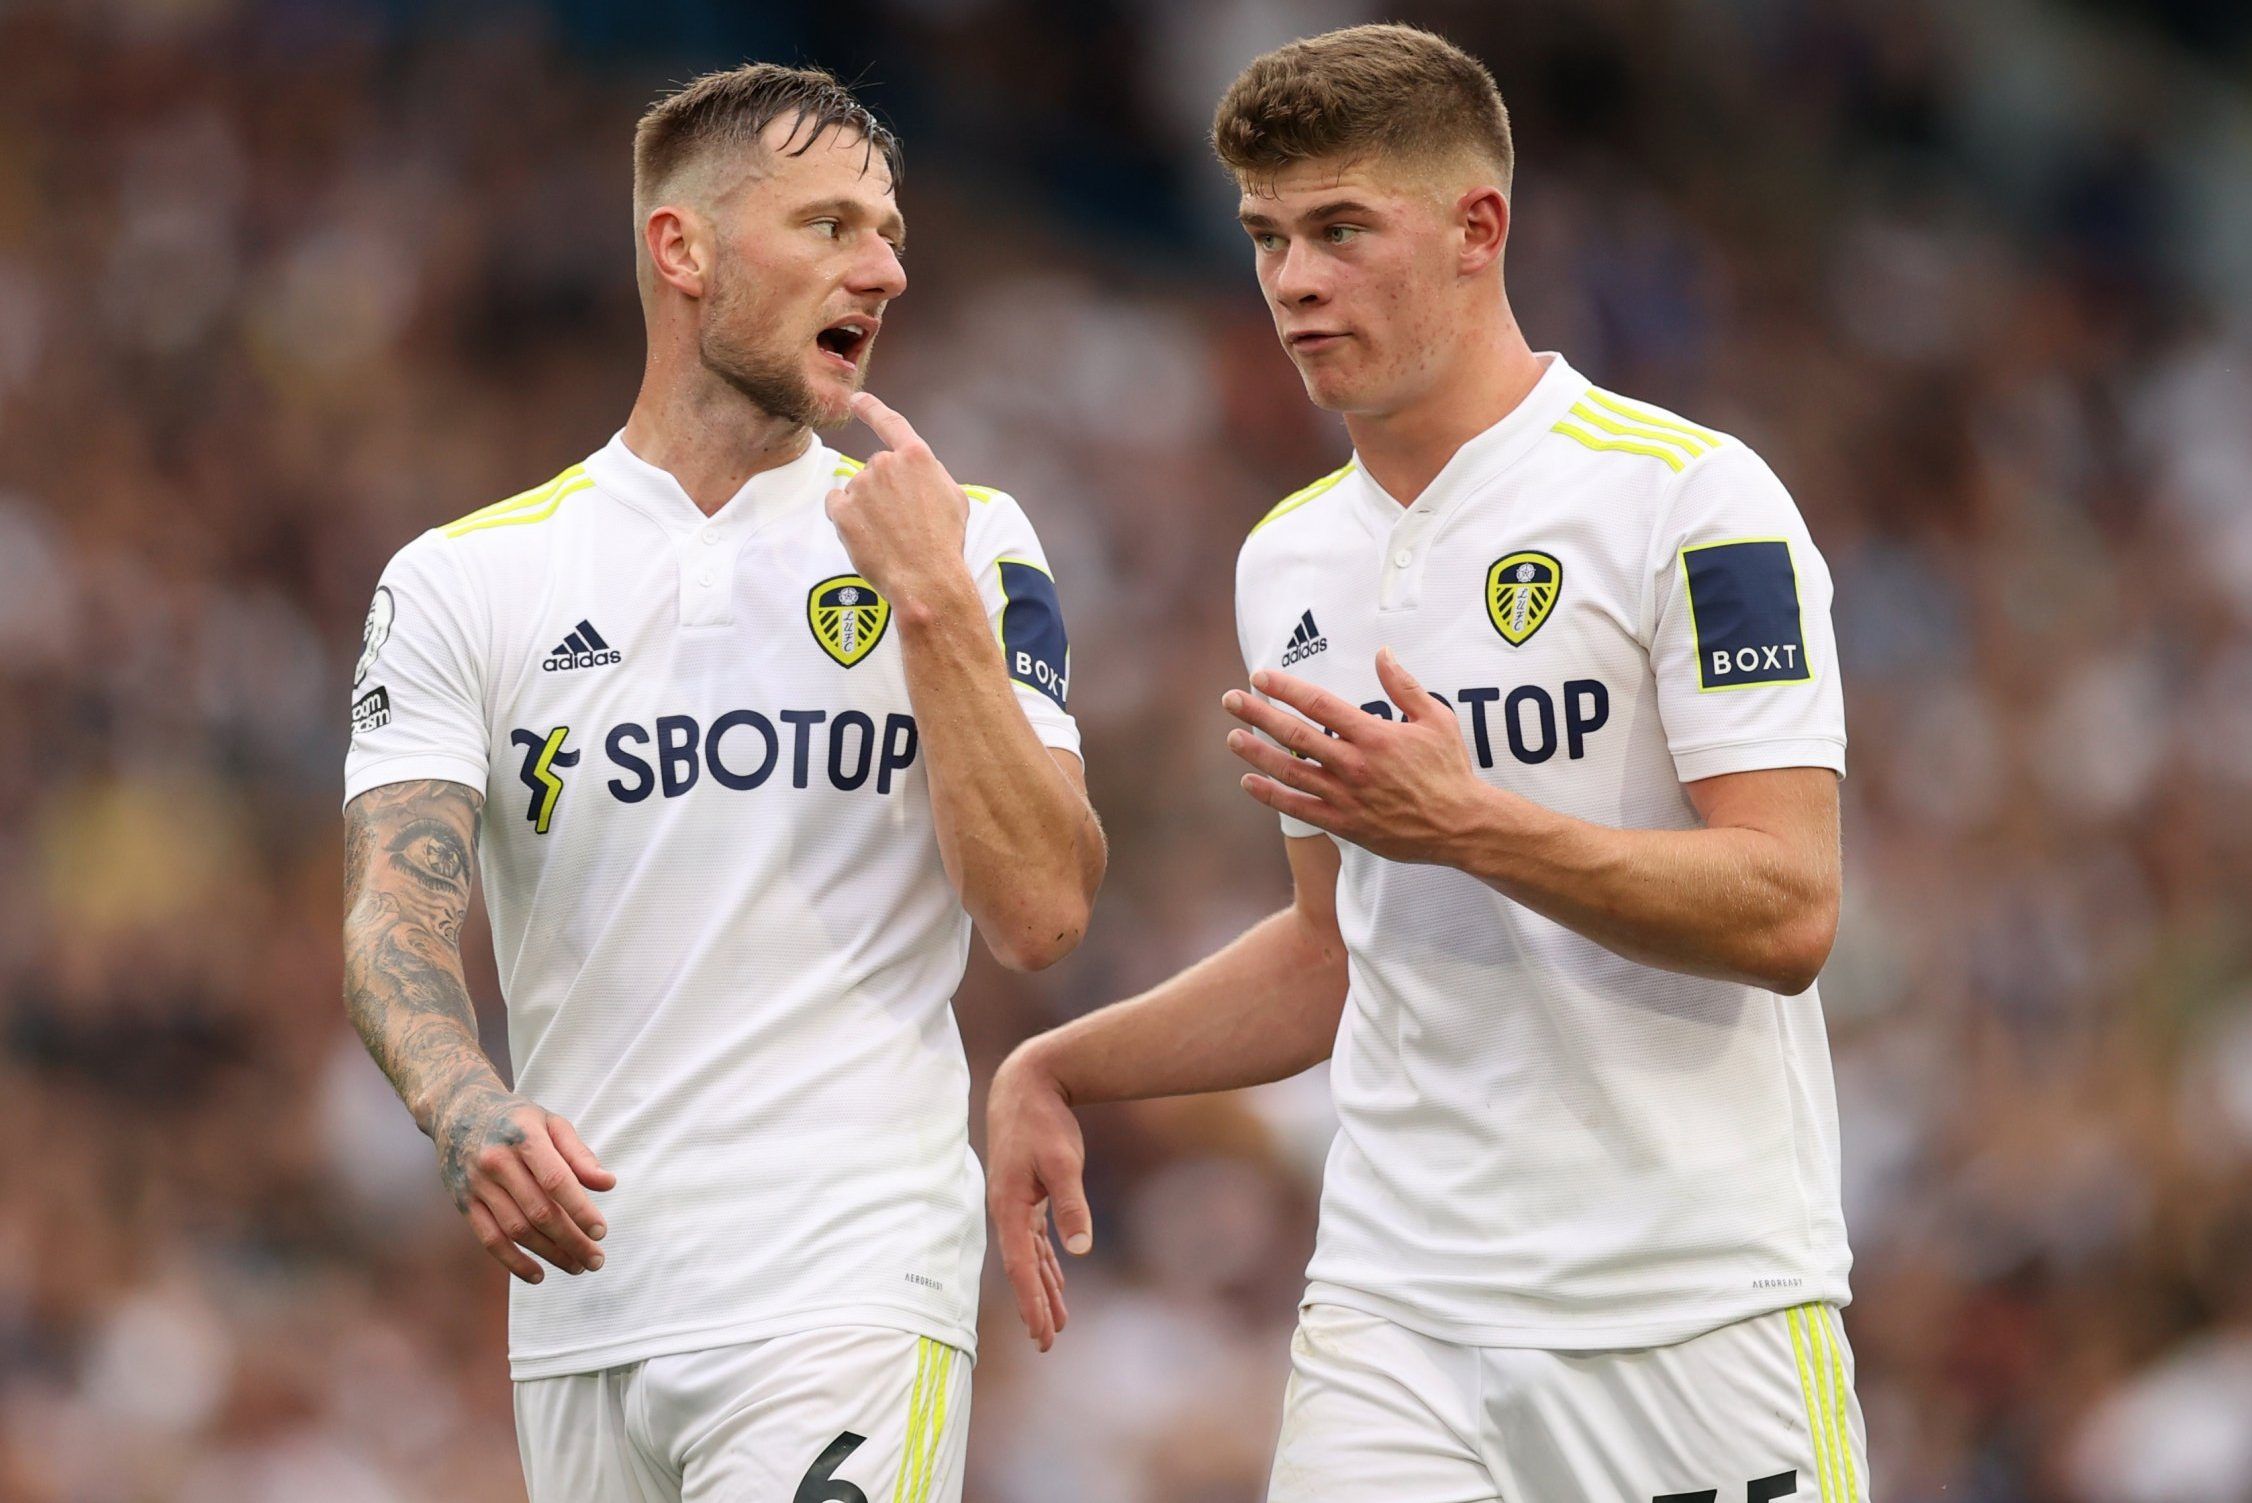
[(1075, 1223), (1414, 700), (580, 1157)]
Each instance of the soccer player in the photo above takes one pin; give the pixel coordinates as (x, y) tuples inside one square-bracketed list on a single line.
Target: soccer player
[(1547, 701), (756, 735)]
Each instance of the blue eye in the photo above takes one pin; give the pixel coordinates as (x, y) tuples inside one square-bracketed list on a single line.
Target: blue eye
[(1340, 233), (1267, 242)]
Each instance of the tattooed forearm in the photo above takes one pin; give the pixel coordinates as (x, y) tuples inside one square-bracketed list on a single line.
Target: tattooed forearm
[(406, 893)]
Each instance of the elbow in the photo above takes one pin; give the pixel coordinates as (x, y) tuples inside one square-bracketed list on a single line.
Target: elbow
[(1798, 950), (1035, 951), (1048, 924), (1040, 939)]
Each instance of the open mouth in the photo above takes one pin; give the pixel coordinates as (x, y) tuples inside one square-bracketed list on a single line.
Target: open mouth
[(846, 340)]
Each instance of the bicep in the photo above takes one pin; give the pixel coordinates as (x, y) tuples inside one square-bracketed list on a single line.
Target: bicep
[(415, 843)]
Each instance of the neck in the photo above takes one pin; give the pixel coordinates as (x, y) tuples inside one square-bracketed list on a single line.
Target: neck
[(1404, 450), (706, 434)]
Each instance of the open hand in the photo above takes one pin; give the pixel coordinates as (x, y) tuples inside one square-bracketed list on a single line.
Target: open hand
[(1402, 789)]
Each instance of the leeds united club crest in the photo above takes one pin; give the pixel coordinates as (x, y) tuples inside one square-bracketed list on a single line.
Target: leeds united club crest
[(1520, 592), (848, 617)]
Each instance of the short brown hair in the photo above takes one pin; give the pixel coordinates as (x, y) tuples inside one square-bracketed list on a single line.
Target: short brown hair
[(1363, 91), (733, 107)]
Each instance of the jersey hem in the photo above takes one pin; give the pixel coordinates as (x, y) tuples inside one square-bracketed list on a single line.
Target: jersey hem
[(414, 767), (1064, 737), (1760, 756), (524, 1368), (1574, 1336)]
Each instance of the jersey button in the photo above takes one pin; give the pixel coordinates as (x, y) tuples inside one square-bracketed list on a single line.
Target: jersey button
[(1402, 559), (704, 578), (711, 534)]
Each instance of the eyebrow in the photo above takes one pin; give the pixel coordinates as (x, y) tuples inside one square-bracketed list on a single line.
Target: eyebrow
[(1334, 209), (891, 226)]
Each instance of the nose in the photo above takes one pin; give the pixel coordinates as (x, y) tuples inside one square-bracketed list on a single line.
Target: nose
[(877, 271), (1300, 278)]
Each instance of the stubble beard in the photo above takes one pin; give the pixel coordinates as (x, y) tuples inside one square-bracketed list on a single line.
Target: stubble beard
[(770, 379)]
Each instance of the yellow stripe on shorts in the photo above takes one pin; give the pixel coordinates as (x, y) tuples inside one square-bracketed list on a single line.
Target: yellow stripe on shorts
[(1822, 1384), (926, 1421), (937, 1422), (1826, 1320), (911, 1447)]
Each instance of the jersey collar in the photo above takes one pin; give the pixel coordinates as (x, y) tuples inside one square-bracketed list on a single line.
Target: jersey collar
[(1489, 453), (656, 494)]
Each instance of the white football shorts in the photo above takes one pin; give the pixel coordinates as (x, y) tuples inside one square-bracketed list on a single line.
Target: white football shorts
[(1752, 1412), (847, 1414)]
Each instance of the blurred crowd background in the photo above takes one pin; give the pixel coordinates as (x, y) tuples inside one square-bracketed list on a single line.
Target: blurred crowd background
[(283, 282)]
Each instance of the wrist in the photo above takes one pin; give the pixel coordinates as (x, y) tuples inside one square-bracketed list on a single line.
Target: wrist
[(924, 599), (1491, 826), (1031, 1066), (451, 1101)]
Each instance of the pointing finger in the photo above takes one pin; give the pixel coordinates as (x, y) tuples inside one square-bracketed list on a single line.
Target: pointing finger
[(896, 432)]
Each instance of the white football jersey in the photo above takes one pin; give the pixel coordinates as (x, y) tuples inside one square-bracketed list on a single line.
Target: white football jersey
[(724, 933), (1541, 1143)]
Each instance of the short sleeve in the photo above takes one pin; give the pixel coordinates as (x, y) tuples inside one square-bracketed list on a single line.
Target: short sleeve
[(1244, 589), (1021, 602), (418, 688), (1741, 643)]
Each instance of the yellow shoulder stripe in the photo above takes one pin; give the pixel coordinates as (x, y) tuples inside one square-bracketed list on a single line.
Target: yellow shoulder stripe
[(1588, 416), (1579, 435), (847, 467), (1651, 417), (1304, 494), (535, 505), (982, 494)]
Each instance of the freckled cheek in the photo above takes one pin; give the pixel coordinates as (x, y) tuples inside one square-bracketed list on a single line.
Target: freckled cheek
[(1392, 326)]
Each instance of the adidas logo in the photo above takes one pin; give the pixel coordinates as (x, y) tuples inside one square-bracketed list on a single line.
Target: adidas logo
[(1305, 641), (583, 648)]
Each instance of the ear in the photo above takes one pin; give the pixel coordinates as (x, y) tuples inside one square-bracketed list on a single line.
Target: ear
[(1483, 216), (679, 250)]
